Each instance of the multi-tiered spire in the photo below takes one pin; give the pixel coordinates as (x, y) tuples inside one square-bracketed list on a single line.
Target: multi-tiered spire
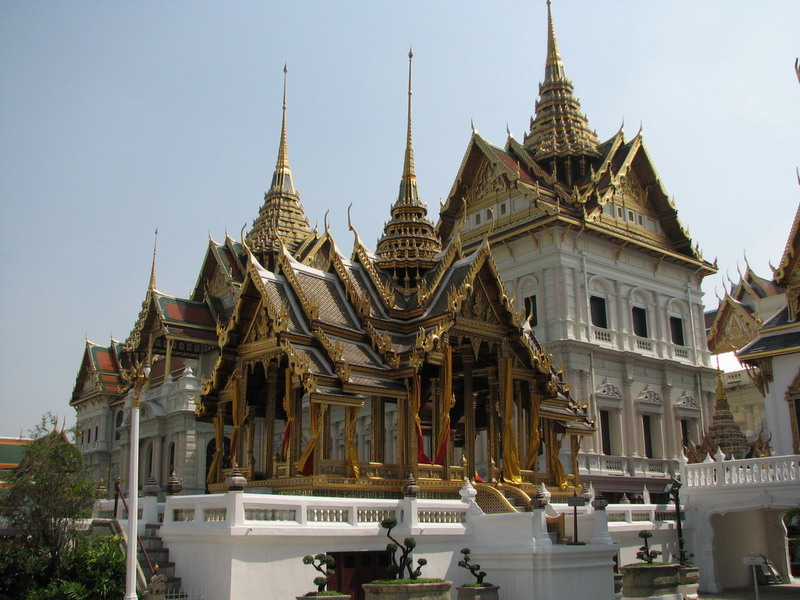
[(409, 243), (558, 129), (281, 217)]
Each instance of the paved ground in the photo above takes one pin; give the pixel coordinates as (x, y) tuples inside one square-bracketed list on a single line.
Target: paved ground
[(786, 591)]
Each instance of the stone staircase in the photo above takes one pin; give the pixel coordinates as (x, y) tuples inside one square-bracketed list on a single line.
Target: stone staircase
[(159, 558), (156, 551)]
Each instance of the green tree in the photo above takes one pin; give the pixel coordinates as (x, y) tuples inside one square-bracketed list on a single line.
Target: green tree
[(49, 493)]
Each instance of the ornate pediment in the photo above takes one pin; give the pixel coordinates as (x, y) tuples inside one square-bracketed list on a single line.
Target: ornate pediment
[(488, 183), (686, 401), (608, 390), (478, 306), (733, 328), (632, 193), (260, 329), (649, 396)]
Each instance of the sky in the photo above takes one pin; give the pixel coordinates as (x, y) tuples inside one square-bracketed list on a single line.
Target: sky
[(117, 119)]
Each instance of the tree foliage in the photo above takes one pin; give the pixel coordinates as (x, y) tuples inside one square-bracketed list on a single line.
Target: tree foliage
[(49, 493)]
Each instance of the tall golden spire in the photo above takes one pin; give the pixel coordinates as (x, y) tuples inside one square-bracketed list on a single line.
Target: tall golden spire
[(559, 128), (408, 162), (409, 243), (281, 217), (152, 285)]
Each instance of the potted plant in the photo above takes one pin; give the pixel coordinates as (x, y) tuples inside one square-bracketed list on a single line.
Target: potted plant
[(649, 578), (477, 590), (404, 581), (688, 575), (323, 563)]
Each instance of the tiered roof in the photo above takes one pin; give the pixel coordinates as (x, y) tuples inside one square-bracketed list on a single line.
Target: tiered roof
[(100, 372), (281, 217), (409, 243), (558, 127), (611, 189)]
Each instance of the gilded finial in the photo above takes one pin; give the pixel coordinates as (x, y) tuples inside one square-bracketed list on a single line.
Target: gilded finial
[(472, 126), (152, 285), (349, 221), (283, 153), (327, 228), (408, 165)]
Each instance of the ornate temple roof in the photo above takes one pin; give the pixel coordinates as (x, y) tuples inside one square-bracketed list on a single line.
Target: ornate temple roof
[(558, 127), (281, 217), (723, 431), (409, 243), (100, 371), (562, 175)]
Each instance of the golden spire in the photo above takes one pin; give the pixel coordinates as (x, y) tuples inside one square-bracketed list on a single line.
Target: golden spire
[(408, 163), (152, 285), (558, 128), (409, 243), (282, 215), (282, 178)]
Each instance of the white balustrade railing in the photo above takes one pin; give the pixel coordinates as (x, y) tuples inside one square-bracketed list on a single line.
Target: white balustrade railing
[(773, 470), (263, 510)]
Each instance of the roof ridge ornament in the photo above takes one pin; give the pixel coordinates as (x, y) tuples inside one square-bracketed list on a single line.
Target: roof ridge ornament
[(282, 212), (409, 244), (558, 127), (152, 284)]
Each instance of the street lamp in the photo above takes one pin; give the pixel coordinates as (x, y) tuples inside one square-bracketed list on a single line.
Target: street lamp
[(138, 375), (673, 489)]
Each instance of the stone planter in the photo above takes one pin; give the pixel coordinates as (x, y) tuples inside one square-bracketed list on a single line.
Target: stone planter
[(407, 591), (341, 597), (689, 582), (617, 586), (650, 581), (486, 592)]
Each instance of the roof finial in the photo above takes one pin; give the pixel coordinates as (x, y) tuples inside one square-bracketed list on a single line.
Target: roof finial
[(554, 68), (408, 165), (283, 153), (152, 285)]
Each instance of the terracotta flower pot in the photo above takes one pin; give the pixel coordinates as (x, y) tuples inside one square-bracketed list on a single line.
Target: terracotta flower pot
[(486, 592), (646, 581), (407, 591)]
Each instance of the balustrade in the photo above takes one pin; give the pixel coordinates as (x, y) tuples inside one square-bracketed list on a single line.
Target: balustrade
[(775, 470)]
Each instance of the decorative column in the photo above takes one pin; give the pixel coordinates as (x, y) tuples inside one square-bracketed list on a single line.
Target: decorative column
[(600, 533), (158, 443), (672, 442), (468, 360), (271, 371), (377, 440), (493, 439), (630, 415), (589, 441)]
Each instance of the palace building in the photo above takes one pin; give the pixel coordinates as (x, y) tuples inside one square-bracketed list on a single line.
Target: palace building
[(334, 375), (317, 372), (589, 244)]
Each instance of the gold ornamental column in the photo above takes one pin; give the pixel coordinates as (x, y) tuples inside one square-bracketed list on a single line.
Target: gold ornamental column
[(271, 371), (468, 360)]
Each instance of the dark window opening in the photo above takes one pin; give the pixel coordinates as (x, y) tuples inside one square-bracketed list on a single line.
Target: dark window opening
[(648, 436), (530, 311), (639, 321), (676, 331), (685, 433), (598, 310), (605, 431)]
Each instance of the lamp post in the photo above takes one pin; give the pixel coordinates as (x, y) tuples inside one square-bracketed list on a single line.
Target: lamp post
[(139, 373), (673, 489)]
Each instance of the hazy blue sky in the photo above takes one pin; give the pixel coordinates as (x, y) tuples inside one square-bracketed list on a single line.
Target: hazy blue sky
[(117, 118)]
